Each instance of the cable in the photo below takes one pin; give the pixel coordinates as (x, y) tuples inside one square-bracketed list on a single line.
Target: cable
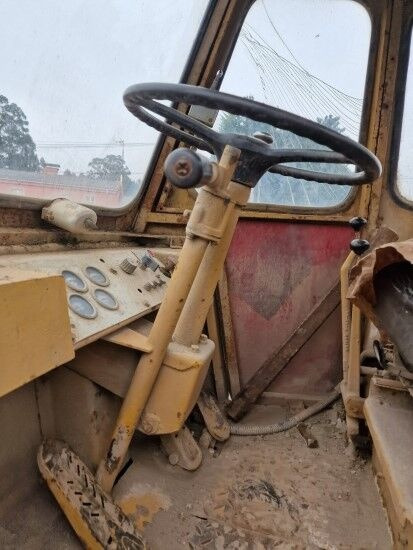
[(252, 429)]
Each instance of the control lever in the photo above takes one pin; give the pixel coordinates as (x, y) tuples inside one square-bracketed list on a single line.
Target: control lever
[(148, 261), (358, 245), (204, 114), (357, 223)]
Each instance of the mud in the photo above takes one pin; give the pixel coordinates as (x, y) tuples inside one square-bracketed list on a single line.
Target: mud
[(250, 493)]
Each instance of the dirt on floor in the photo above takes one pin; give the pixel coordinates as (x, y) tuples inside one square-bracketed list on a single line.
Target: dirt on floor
[(250, 493)]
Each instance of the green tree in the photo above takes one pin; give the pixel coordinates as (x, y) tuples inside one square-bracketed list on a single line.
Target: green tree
[(332, 122), (68, 172), (236, 124), (283, 139), (17, 148), (111, 167)]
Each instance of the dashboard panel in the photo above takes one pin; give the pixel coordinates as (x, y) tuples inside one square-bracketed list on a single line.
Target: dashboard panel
[(106, 288)]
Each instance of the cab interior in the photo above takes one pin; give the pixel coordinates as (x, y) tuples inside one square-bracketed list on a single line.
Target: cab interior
[(206, 287)]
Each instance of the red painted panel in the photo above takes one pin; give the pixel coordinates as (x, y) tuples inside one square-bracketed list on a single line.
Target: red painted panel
[(276, 273), (317, 367)]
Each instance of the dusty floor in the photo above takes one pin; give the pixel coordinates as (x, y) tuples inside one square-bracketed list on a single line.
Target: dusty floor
[(250, 493)]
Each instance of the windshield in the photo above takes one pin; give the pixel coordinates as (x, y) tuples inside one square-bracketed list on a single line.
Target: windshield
[(308, 57), (64, 131), (405, 165)]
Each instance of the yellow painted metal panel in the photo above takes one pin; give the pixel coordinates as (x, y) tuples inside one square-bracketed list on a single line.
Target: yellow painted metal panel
[(35, 333)]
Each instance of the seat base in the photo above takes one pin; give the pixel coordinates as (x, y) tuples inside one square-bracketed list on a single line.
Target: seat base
[(389, 416)]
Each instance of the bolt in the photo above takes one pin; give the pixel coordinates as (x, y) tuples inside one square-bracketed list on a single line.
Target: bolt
[(173, 459), (195, 347), (146, 303), (203, 338), (182, 167), (147, 427)]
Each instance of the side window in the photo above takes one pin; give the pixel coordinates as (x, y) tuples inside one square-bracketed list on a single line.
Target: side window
[(309, 57), (405, 165), (64, 131)]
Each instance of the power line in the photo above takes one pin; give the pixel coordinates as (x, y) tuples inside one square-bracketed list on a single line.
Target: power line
[(315, 98), (301, 90), (300, 66), (279, 36), (90, 145)]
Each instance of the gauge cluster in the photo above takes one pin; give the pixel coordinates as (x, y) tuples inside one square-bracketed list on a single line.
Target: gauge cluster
[(106, 288)]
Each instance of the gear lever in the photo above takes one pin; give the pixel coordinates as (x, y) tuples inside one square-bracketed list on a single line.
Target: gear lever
[(358, 245)]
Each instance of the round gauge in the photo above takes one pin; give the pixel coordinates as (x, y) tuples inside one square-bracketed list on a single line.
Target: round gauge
[(82, 307), (96, 276), (105, 299), (73, 281)]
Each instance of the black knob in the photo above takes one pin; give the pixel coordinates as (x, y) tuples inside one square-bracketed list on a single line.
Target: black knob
[(359, 246), (148, 261), (186, 169), (357, 223)]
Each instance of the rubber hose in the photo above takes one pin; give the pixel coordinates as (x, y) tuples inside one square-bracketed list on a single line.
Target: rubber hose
[(252, 429)]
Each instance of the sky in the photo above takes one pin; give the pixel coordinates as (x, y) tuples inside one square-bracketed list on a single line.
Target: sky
[(405, 168), (67, 64), (329, 38)]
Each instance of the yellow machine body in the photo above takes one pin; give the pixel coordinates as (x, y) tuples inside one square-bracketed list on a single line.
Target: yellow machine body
[(177, 387), (36, 335)]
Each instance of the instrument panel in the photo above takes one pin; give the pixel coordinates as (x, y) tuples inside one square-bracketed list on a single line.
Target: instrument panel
[(106, 288)]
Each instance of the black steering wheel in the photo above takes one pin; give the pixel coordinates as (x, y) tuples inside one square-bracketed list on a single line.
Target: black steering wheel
[(257, 157)]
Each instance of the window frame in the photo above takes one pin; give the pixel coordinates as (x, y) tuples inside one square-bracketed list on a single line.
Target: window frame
[(351, 197), (151, 212), (406, 42), (353, 204)]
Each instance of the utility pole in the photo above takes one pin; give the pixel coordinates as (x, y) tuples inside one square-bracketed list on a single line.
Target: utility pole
[(122, 142)]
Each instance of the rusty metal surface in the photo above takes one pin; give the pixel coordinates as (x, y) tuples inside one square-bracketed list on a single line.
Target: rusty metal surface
[(277, 272), (279, 359), (317, 365), (230, 352)]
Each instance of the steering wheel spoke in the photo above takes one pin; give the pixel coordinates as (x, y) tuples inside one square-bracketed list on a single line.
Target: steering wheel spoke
[(358, 178), (202, 136)]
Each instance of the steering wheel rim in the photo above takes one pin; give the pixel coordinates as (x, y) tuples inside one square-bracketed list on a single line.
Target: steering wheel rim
[(142, 100)]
